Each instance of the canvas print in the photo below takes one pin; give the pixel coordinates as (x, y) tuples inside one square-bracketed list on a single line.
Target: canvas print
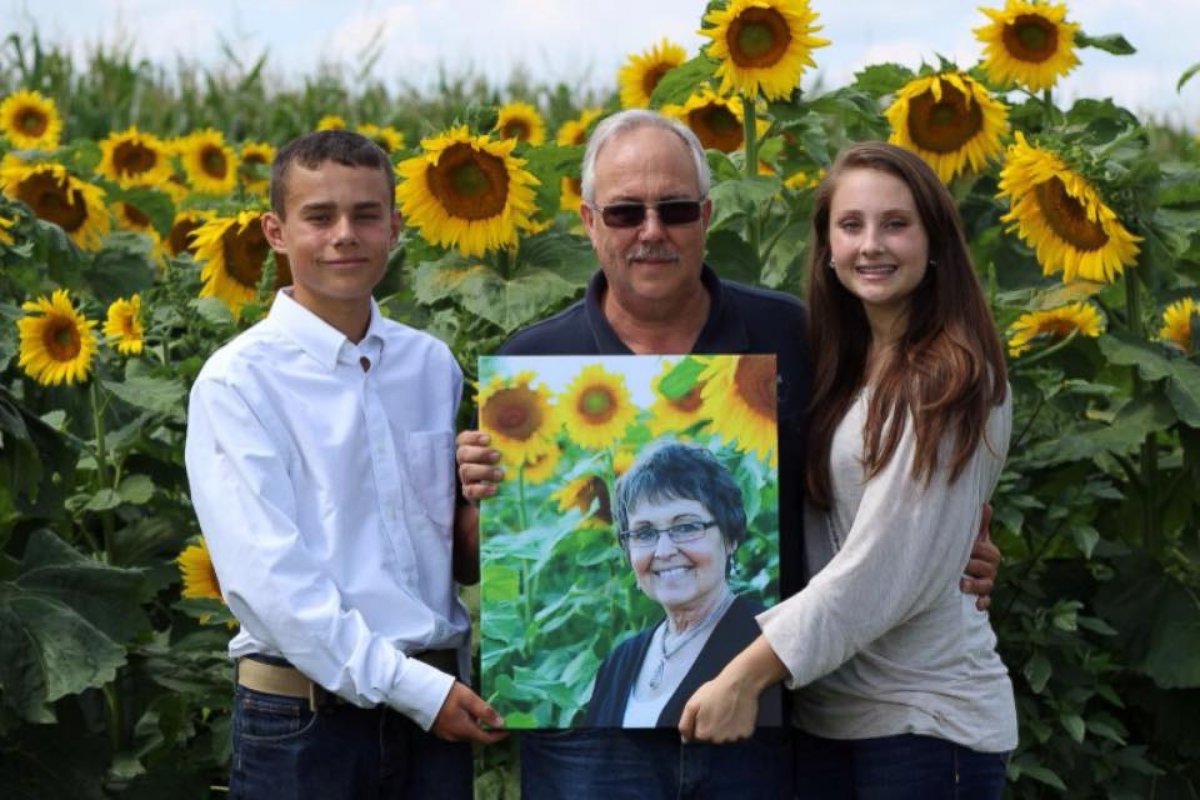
[(635, 535)]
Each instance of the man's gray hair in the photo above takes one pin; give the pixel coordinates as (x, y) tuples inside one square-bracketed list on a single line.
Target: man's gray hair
[(632, 119)]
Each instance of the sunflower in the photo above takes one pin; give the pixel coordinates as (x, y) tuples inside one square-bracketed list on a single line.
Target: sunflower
[(596, 408), (950, 120), (180, 237), (1055, 323), (715, 119), (255, 160), (1056, 211), (642, 72), (56, 196), (331, 122), (762, 45), (540, 466), (387, 137), (803, 180), (520, 121), (518, 416), (674, 414), (583, 493), (232, 251), (466, 191), (211, 165), (1178, 319), (30, 121), (1028, 44), (570, 195), (131, 218), (5, 225), (196, 569), (739, 400), (57, 342), (133, 158), (575, 131), (123, 325)]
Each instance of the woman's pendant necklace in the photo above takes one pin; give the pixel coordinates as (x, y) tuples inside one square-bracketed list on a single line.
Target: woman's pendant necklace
[(656, 677)]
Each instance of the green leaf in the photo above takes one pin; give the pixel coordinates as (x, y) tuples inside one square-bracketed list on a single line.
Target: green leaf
[(153, 203), (678, 84), (680, 380), (136, 489), (1045, 775), (882, 79), (732, 256), (1187, 76), (1113, 43), (735, 200), (1038, 671), (1158, 623), (213, 310), (1073, 723), (158, 395)]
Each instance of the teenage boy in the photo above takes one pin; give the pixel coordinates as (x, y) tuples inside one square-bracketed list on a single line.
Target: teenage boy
[(320, 458)]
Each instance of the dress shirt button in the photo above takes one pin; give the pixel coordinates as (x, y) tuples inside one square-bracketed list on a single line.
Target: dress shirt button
[(365, 363)]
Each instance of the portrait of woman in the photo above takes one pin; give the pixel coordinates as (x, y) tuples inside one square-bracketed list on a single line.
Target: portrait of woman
[(680, 518)]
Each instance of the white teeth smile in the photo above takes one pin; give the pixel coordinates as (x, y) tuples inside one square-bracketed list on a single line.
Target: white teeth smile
[(671, 572), (883, 269)]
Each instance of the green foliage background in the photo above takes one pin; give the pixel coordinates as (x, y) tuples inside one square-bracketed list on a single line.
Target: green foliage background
[(110, 684)]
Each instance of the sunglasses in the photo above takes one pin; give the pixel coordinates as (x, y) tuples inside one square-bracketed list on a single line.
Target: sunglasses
[(631, 215)]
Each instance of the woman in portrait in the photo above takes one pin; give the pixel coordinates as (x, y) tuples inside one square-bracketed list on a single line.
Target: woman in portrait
[(899, 690), (680, 518)]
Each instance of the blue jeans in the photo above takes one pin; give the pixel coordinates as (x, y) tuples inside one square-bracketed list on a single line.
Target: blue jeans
[(903, 767), (649, 764), (285, 751)]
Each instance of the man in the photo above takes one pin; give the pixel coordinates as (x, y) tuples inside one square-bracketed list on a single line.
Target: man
[(328, 508), (645, 208)]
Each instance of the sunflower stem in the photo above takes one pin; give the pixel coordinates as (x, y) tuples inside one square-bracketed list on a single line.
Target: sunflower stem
[(1148, 456), (503, 263), (101, 455), (522, 516), (749, 134)]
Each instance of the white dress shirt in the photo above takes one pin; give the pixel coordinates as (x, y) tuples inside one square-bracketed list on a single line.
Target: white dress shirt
[(322, 473), (881, 641)]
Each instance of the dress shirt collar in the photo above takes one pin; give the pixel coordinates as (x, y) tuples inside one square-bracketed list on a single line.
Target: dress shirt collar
[(324, 343)]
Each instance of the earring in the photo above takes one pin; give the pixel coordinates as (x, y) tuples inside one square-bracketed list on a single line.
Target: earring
[(832, 264), (932, 263)]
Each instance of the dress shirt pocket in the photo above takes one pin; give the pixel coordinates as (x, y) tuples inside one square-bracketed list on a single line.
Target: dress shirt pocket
[(430, 457)]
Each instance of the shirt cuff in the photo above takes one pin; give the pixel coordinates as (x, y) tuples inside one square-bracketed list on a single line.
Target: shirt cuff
[(774, 629), (420, 691)]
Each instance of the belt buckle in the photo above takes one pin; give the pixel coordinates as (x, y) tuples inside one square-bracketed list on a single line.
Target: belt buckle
[(319, 698)]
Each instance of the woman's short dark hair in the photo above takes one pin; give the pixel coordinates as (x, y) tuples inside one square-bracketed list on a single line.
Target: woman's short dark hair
[(674, 470)]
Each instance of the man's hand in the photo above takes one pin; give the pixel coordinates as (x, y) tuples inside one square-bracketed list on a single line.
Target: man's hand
[(985, 562), (462, 716), (477, 470)]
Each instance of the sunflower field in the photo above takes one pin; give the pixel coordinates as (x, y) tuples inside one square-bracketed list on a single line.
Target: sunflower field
[(130, 249)]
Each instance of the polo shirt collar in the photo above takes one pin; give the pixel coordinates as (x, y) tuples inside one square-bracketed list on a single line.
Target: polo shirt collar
[(724, 331), (321, 341)]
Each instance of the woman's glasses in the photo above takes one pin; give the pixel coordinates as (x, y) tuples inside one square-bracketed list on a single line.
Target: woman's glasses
[(646, 536), (631, 215)]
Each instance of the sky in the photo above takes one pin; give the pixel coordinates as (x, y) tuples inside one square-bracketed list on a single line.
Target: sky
[(584, 42)]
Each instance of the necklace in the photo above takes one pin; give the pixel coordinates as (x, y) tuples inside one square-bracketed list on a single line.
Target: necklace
[(656, 678)]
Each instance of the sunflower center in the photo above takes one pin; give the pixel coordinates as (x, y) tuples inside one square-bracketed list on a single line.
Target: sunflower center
[(516, 129), (135, 215), (758, 37), (133, 158), (755, 383), (179, 237), (1031, 38), (213, 162), (33, 122), (513, 412), (652, 76), (943, 126), (690, 402), (597, 405), (244, 254), (716, 127), (1057, 327), (61, 339), (1068, 217), (470, 184), (53, 201)]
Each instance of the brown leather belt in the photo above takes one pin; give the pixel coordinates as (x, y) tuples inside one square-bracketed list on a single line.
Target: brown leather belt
[(287, 681)]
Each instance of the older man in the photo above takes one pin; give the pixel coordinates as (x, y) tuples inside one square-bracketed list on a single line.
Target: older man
[(646, 209)]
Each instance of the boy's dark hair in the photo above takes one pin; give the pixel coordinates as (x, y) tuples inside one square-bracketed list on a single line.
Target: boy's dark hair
[(311, 150)]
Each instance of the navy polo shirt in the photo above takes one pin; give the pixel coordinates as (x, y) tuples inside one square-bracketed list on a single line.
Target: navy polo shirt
[(741, 319)]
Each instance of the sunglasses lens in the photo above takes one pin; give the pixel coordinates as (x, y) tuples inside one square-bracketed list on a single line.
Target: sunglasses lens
[(623, 215), (679, 212)]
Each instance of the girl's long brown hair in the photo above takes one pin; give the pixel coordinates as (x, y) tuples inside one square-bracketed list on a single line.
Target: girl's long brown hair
[(947, 370)]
